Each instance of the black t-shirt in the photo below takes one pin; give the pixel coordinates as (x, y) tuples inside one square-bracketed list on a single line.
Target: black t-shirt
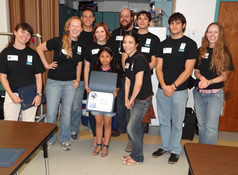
[(66, 69), (92, 52), (133, 65), (20, 66), (117, 37), (149, 46), (205, 70), (174, 53)]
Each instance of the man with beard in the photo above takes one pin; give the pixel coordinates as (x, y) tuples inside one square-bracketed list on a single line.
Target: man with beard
[(126, 24)]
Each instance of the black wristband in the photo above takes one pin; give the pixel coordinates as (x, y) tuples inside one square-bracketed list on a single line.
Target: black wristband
[(175, 85)]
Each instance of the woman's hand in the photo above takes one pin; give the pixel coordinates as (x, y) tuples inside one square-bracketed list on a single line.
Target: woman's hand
[(129, 104), (115, 94), (16, 99), (37, 100), (75, 83), (88, 89), (203, 83), (53, 65)]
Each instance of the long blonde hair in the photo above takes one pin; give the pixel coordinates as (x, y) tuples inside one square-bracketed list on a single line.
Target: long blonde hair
[(66, 38)]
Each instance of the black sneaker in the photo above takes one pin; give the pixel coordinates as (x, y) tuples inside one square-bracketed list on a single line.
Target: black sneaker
[(173, 158), (158, 153)]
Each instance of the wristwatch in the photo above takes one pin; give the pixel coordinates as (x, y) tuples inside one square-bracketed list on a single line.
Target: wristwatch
[(39, 94)]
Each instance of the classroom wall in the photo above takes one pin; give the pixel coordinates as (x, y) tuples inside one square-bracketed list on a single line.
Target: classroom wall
[(199, 14), (4, 21)]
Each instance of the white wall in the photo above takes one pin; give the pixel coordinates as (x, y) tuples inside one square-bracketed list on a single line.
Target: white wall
[(199, 14), (4, 21)]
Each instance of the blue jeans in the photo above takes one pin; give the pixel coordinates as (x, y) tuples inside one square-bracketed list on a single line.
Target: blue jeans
[(76, 110), (208, 110), (121, 119), (55, 91), (171, 113), (134, 128)]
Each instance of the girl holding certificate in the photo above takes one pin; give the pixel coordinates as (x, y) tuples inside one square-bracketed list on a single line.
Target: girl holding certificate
[(106, 62), (138, 93), (20, 66), (101, 38), (63, 76)]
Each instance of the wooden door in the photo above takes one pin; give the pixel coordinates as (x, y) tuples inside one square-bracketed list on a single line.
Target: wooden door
[(228, 17)]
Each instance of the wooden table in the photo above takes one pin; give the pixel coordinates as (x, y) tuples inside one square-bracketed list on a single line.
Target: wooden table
[(206, 159), (28, 135)]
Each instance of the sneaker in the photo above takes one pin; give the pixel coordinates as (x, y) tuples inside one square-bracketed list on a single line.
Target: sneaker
[(66, 146), (173, 158), (74, 135), (49, 145), (128, 147), (159, 153)]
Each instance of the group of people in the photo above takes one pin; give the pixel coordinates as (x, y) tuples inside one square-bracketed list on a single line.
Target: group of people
[(132, 54)]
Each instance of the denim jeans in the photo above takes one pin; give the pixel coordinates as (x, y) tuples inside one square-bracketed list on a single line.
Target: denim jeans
[(76, 110), (55, 91), (134, 128), (171, 113), (121, 118), (208, 110)]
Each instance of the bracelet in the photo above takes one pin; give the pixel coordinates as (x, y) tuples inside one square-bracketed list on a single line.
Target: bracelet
[(211, 82), (39, 94), (175, 85)]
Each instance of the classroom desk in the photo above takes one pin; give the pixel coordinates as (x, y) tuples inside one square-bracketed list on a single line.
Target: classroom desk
[(28, 135), (206, 159)]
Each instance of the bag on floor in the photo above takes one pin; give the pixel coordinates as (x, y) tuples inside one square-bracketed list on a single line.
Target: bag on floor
[(189, 124)]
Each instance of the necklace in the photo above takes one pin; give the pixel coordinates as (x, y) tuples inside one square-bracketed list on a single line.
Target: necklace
[(73, 46), (105, 69)]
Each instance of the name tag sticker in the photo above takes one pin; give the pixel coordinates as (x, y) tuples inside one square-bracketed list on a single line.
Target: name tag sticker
[(12, 58), (167, 50), (145, 49), (127, 65), (95, 51), (119, 38)]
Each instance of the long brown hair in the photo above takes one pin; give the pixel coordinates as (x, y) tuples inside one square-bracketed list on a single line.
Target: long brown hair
[(23, 26), (221, 56), (66, 38), (104, 25)]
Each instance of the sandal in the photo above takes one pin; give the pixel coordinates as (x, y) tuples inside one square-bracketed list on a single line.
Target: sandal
[(131, 162), (96, 152), (104, 154), (123, 158)]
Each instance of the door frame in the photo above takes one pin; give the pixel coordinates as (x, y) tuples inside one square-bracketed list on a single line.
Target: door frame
[(218, 7)]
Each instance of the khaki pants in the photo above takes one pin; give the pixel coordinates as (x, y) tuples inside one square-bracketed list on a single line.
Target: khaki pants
[(12, 111)]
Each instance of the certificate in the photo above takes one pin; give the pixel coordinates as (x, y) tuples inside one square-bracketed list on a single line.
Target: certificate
[(100, 101), (102, 85)]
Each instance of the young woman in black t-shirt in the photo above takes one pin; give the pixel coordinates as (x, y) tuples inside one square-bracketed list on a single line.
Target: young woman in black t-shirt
[(138, 93), (106, 62), (63, 77), (20, 66), (101, 36), (212, 72)]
